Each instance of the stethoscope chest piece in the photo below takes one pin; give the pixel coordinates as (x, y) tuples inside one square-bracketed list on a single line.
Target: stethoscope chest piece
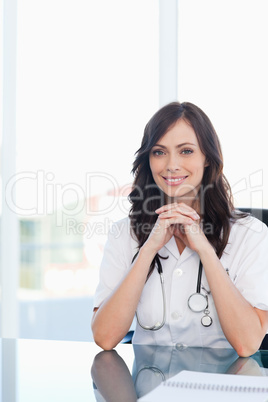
[(197, 302), (206, 321)]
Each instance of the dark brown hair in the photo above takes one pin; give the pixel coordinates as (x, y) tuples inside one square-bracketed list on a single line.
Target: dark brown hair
[(216, 203)]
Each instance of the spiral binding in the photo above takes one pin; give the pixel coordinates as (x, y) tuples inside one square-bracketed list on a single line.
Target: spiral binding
[(214, 387)]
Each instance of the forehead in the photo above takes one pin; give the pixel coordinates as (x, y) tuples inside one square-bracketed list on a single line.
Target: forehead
[(179, 132)]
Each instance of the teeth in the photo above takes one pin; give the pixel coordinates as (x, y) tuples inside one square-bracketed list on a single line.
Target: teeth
[(175, 180)]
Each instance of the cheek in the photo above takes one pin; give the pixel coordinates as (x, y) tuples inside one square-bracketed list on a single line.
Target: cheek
[(198, 167), (150, 164), (155, 166)]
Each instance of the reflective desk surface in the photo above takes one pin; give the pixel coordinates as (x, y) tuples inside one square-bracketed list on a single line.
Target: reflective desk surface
[(42, 371)]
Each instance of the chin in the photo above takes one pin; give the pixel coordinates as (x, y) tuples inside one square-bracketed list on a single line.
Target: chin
[(186, 198)]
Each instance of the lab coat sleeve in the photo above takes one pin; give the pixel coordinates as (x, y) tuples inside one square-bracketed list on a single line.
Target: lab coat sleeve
[(116, 261), (252, 275)]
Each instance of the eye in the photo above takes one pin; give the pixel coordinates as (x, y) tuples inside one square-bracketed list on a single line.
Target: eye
[(187, 151), (158, 152)]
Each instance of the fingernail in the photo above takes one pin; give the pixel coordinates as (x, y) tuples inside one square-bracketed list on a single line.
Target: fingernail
[(196, 216)]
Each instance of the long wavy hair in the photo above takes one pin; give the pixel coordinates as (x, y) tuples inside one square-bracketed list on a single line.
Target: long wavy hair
[(216, 204)]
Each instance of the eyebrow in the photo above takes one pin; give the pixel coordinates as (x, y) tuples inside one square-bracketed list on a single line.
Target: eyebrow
[(177, 146)]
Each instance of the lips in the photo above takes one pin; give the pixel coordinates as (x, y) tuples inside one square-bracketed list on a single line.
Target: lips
[(174, 181)]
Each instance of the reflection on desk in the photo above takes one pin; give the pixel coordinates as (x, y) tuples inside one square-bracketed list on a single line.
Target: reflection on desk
[(113, 380), (60, 371)]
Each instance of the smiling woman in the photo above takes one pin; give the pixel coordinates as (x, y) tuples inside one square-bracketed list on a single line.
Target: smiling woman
[(177, 163), (179, 191)]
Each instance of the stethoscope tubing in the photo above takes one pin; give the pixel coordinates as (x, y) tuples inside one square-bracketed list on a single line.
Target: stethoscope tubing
[(156, 327), (203, 301)]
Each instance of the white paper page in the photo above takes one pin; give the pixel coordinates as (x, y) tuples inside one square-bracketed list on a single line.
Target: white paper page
[(245, 388)]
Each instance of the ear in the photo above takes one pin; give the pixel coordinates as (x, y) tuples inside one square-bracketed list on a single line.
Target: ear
[(207, 164)]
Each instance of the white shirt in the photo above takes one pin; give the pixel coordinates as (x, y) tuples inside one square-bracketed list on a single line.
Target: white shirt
[(245, 257)]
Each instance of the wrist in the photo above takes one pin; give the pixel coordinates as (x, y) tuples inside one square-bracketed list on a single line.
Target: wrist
[(207, 253), (147, 251)]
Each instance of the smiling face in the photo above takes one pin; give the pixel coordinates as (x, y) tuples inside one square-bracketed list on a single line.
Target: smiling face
[(177, 163)]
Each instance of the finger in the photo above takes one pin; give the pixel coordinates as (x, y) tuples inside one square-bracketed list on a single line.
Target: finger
[(193, 229), (178, 220), (186, 210), (175, 212), (180, 208)]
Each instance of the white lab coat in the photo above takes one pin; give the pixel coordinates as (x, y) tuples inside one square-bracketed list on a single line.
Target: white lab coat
[(245, 257)]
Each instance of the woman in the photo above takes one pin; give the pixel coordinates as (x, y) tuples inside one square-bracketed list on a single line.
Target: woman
[(183, 229)]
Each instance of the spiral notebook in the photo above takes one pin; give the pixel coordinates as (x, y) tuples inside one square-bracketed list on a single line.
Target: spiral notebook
[(210, 387)]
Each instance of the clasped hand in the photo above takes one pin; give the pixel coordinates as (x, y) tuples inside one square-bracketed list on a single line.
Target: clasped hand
[(180, 220)]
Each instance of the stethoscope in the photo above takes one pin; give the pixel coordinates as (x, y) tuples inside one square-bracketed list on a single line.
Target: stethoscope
[(197, 302), (157, 326)]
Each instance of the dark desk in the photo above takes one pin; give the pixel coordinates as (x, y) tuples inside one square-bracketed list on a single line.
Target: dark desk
[(55, 371)]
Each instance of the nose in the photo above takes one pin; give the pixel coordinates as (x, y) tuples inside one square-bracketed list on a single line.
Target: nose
[(173, 164)]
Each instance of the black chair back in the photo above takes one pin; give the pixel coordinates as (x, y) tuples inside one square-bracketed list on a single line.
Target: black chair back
[(259, 213)]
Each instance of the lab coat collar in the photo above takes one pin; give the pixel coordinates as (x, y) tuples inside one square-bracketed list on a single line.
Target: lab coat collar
[(172, 247)]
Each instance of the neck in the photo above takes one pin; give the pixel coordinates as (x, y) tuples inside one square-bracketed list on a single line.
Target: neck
[(181, 246)]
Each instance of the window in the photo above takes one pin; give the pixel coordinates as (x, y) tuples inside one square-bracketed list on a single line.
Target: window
[(87, 82), (222, 68)]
